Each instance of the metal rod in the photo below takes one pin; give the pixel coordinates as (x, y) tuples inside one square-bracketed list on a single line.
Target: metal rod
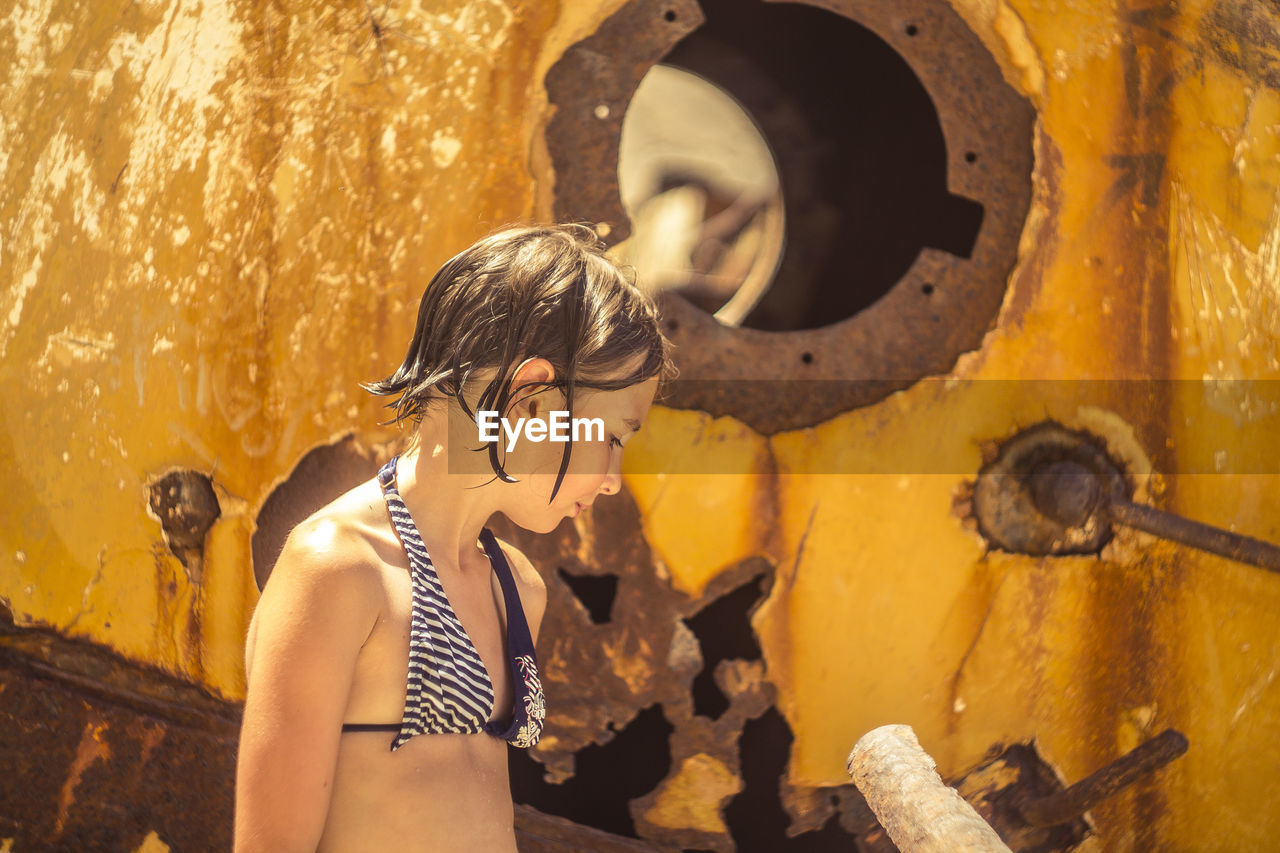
[(1224, 543), (1072, 802)]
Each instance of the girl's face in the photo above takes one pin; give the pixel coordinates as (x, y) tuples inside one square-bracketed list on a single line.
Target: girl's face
[(595, 467)]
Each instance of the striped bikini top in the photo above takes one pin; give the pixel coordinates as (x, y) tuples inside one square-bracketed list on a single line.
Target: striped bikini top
[(449, 690)]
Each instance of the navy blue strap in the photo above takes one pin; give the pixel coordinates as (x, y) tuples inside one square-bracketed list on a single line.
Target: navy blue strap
[(519, 640), (371, 727)]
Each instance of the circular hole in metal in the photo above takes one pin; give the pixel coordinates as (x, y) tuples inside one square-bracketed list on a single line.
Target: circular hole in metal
[(970, 157), (669, 16), (862, 165), (912, 29), (807, 357), (701, 186), (926, 289), (872, 212)]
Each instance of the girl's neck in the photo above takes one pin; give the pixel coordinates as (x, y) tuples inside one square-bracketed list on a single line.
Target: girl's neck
[(450, 509)]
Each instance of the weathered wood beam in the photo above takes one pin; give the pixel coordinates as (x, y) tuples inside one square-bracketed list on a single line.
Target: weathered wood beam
[(903, 788)]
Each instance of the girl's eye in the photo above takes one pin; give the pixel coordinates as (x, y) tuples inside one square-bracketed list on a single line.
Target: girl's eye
[(615, 441)]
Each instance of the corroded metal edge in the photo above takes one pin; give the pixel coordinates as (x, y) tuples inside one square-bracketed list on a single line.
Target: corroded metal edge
[(901, 338)]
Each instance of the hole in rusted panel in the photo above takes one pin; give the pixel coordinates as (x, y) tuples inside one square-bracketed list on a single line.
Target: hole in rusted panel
[(606, 777), (723, 629), (595, 592), (1005, 779), (187, 507), (756, 817), (876, 206), (860, 149), (701, 186)]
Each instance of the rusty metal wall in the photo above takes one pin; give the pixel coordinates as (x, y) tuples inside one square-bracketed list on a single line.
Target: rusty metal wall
[(215, 221)]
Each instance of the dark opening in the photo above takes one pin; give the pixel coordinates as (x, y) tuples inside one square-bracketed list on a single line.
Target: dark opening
[(596, 592), (756, 819), (723, 629), (321, 475), (606, 777), (858, 145)]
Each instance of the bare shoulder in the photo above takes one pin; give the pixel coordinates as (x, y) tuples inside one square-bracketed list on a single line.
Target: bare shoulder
[(317, 610), (337, 544), (332, 546), (328, 574)]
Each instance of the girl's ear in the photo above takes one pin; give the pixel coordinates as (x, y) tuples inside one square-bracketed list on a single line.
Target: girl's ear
[(529, 380)]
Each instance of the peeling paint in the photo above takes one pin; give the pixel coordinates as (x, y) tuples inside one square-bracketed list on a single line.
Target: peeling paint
[(444, 149), (1008, 24), (692, 799)]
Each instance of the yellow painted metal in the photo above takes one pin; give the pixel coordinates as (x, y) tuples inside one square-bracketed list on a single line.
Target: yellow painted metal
[(681, 509), (1153, 250), (216, 220)]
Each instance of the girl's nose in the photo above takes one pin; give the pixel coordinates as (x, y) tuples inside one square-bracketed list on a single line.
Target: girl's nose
[(612, 483)]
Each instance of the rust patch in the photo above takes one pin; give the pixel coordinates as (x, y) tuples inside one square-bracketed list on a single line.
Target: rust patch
[(92, 748), (101, 752), (1121, 627), (1040, 242), (187, 507), (591, 86), (1245, 37)]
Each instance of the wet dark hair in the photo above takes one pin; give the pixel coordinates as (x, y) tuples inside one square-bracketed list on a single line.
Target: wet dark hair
[(527, 292)]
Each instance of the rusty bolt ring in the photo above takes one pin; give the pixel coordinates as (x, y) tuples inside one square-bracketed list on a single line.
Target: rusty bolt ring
[(883, 348), (1048, 492), (1065, 491)]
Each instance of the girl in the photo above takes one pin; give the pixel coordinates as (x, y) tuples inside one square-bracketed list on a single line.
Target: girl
[(391, 657)]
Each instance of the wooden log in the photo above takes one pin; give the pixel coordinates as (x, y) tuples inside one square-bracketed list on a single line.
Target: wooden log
[(918, 811)]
